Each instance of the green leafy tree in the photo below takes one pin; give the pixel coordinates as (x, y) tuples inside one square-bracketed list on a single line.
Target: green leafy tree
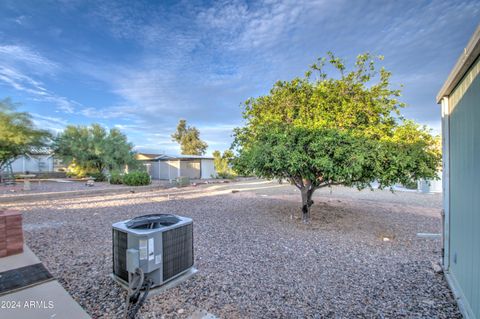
[(91, 149), (223, 163), (18, 135), (319, 131), (189, 139)]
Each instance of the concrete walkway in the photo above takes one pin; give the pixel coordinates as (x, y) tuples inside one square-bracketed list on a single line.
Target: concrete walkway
[(45, 300)]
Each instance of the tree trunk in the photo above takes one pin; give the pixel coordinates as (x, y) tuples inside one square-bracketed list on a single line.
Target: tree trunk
[(307, 202), (306, 190)]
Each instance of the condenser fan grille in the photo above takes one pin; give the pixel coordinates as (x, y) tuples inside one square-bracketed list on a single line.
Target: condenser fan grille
[(120, 246), (177, 250)]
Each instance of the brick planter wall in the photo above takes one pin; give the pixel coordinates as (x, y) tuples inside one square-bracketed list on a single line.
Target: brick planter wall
[(11, 233)]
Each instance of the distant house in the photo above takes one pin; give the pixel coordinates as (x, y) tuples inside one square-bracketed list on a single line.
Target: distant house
[(430, 186), (460, 100), (36, 161), (167, 167)]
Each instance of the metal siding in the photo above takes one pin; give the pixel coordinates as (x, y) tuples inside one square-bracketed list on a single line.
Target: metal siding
[(34, 164), (155, 170), (17, 165), (464, 195), (190, 168), (208, 169), (30, 165), (163, 170), (446, 181), (476, 211), (173, 169)]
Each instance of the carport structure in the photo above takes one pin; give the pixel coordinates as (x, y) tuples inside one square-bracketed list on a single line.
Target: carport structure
[(168, 167)]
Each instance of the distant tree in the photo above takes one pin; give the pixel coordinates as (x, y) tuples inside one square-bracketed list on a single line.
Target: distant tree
[(340, 130), (223, 163), (18, 135), (189, 139), (91, 149)]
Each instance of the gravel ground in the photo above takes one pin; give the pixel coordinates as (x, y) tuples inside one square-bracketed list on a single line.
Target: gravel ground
[(253, 261), (55, 186), (65, 185)]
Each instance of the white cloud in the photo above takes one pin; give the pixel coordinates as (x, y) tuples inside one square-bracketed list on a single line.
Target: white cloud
[(435, 126), (260, 24), (24, 83), (21, 81), (21, 55), (54, 124), (16, 62), (20, 20), (111, 112)]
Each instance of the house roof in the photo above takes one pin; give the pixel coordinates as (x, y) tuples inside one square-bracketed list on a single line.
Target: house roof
[(40, 151), (147, 157), (171, 156), (464, 62)]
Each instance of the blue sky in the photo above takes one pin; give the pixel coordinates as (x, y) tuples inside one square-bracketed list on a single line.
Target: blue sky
[(141, 66)]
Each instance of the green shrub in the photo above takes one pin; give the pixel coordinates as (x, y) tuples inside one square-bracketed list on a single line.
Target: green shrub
[(71, 174), (411, 185), (136, 178), (98, 176), (76, 171), (116, 178)]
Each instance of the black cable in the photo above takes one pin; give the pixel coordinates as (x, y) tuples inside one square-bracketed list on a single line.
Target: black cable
[(135, 283), (133, 312)]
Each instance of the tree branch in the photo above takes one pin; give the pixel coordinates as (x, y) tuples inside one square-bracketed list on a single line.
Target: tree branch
[(298, 182)]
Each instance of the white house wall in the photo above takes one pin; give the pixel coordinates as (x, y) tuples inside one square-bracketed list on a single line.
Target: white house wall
[(37, 163), (155, 170), (164, 170), (208, 169), (190, 168), (463, 215), (173, 169), (18, 166)]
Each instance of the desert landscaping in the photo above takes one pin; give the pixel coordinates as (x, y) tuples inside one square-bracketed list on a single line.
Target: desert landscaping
[(239, 159), (360, 256)]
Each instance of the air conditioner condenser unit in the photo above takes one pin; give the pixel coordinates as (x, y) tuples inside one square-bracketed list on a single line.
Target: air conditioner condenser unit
[(161, 245)]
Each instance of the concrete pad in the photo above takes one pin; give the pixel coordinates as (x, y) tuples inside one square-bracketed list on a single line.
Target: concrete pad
[(48, 300), (170, 284), (174, 282), (20, 260)]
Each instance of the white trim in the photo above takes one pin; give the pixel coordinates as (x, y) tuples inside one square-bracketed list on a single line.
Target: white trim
[(166, 157), (446, 181), (179, 168), (169, 171), (462, 302)]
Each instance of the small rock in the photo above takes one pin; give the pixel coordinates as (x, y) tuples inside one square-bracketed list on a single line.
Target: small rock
[(436, 267)]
